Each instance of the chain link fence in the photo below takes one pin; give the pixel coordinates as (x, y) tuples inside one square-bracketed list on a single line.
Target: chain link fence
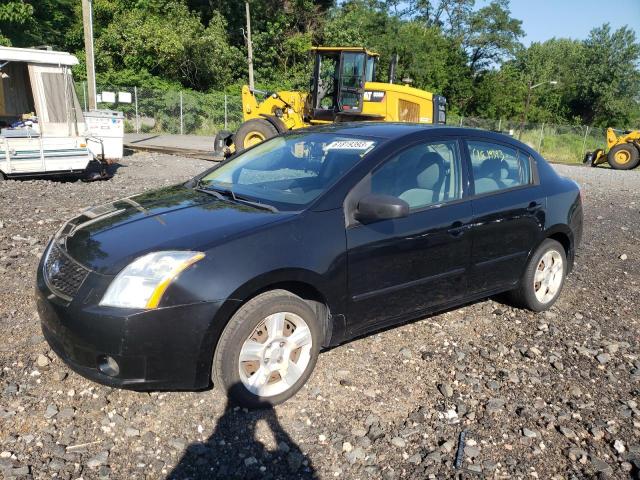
[(558, 143), (195, 113), (183, 112)]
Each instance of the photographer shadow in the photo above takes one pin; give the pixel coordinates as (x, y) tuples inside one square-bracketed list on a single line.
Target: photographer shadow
[(233, 451)]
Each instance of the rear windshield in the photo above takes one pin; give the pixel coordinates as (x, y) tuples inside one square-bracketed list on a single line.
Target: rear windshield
[(289, 172)]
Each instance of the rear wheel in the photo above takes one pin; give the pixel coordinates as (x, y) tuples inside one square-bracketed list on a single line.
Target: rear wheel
[(623, 157), (268, 349), (543, 278), (253, 132)]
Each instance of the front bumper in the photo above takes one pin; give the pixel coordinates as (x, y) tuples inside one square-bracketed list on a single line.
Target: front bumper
[(162, 349)]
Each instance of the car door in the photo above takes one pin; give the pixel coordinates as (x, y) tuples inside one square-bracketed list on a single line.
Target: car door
[(508, 213), (399, 267)]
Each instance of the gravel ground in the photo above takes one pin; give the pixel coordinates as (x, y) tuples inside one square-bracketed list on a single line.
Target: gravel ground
[(551, 395)]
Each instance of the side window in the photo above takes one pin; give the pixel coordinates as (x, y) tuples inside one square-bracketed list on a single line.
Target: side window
[(497, 167), (422, 175)]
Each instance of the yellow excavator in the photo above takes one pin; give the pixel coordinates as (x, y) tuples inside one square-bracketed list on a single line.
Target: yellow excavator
[(623, 151), (342, 89)]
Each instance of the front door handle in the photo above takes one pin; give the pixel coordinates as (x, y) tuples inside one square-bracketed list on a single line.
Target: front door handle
[(457, 229)]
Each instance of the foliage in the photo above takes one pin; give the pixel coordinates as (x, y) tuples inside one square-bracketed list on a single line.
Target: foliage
[(159, 110), (169, 41), (13, 16), (491, 35), (608, 92), (30, 23), (467, 50)]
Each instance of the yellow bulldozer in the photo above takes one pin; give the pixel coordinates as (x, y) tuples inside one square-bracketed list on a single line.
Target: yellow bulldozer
[(342, 89), (623, 151)]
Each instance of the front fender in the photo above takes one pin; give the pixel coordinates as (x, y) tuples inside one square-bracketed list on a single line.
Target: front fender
[(279, 278)]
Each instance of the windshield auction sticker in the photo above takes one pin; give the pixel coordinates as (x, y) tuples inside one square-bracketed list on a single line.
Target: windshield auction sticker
[(349, 145)]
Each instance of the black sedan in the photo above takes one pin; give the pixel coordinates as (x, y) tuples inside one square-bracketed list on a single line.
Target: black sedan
[(243, 274)]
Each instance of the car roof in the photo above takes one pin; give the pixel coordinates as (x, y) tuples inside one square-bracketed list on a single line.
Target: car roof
[(392, 131)]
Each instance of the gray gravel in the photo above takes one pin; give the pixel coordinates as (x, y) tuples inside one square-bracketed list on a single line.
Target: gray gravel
[(551, 395)]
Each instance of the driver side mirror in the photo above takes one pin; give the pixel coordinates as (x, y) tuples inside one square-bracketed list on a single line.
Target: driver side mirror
[(374, 207)]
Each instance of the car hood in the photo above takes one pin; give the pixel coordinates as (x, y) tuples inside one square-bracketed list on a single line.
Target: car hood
[(108, 237)]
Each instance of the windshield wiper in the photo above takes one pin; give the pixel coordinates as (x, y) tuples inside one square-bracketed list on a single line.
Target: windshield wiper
[(263, 206), (223, 194), (215, 193)]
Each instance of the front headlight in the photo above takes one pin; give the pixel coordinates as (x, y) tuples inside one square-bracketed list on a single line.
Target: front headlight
[(143, 282)]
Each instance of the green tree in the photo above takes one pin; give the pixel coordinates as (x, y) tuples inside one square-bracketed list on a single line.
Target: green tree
[(561, 60), (169, 41), (355, 23), (491, 35), (607, 92), (13, 16), (452, 16), (498, 94), (466, 50), (28, 23)]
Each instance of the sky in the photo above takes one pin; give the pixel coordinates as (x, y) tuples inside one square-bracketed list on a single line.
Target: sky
[(545, 19)]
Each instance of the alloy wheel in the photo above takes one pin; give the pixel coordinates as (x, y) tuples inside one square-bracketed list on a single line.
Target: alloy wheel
[(276, 354), (548, 277)]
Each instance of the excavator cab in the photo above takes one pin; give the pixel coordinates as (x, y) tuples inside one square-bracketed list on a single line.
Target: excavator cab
[(337, 86)]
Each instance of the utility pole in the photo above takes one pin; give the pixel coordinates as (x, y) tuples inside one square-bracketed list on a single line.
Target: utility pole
[(87, 20), (528, 102), (249, 45), (526, 109)]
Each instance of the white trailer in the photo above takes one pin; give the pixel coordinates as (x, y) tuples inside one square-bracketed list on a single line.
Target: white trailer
[(43, 130)]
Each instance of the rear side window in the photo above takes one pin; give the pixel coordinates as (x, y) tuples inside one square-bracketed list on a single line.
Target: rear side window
[(422, 175), (497, 167)]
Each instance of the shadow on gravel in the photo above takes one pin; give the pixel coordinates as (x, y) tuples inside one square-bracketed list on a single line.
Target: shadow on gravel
[(233, 451)]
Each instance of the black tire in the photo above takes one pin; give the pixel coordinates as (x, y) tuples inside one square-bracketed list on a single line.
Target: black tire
[(253, 132), (524, 295), (226, 360), (626, 151)]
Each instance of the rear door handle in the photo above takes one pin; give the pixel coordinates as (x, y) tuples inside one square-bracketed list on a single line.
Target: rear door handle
[(533, 206), (457, 229)]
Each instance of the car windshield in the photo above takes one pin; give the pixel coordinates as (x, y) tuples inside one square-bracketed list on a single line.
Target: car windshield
[(291, 171)]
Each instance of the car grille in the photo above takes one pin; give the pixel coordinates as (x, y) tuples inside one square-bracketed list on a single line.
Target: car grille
[(63, 276)]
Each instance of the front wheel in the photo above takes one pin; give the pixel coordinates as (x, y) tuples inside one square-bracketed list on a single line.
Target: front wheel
[(268, 349), (543, 278)]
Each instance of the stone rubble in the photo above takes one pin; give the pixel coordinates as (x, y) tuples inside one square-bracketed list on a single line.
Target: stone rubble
[(550, 395)]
